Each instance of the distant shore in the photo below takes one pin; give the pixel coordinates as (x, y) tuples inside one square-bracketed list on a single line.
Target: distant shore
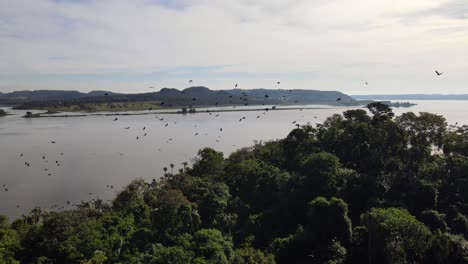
[(57, 114)]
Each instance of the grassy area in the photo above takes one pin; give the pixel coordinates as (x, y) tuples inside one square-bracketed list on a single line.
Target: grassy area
[(106, 107)]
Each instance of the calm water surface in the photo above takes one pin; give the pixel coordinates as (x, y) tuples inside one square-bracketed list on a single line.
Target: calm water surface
[(93, 152)]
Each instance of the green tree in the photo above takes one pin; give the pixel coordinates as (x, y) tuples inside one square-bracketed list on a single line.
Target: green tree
[(211, 246), (394, 236), (210, 163), (173, 215), (9, 242)]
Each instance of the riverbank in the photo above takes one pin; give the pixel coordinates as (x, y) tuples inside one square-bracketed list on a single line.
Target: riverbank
[(57, 114)]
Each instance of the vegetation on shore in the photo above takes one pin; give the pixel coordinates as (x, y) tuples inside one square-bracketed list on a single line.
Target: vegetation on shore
[(358, 188), (103, 107)]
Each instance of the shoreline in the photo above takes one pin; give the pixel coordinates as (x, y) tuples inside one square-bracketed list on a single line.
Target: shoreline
[(45, 115)]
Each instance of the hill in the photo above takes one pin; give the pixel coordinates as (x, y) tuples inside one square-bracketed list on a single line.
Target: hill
[(19, 97), (170, 97)]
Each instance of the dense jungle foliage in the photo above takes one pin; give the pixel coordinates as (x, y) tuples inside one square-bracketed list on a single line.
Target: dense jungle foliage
[(363, 187)]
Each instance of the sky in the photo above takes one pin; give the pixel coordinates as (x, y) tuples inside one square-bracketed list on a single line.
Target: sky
[(128, 46)]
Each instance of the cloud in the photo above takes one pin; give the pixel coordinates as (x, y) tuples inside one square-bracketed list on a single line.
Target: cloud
[(87, 44), (456, 9)]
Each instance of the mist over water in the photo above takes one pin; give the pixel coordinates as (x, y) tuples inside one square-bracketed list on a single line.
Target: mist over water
[(98, 151)]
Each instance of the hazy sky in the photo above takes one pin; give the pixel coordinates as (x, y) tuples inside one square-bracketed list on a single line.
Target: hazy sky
[(126, 46)]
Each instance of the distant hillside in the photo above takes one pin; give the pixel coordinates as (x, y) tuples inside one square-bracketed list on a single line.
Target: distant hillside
[(192, 96), (412, 96), (21, 97)]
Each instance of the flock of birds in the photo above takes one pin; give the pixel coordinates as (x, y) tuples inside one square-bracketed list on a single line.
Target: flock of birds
[(47, 167)]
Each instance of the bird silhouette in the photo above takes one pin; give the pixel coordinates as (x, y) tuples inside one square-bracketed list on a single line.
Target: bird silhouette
[(367, 83), (127, 128), (166, 124), (21, 155), (235, 85), (438, 73), (338, 99), (144, 128), (258, 116), (221, 129), (151, 108), (279, 82), (116, 119), (190, 81), (53, 142)]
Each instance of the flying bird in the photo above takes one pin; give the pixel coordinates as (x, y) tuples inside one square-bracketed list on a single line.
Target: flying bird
[(438, 73), (235, 85), (53, 142), (116, 119)]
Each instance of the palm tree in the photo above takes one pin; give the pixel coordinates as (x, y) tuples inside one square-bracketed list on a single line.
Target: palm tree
[(172, 168), (165, 171), (184, 164)]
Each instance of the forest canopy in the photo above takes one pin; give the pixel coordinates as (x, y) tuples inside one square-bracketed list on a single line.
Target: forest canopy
[(363, 187)]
